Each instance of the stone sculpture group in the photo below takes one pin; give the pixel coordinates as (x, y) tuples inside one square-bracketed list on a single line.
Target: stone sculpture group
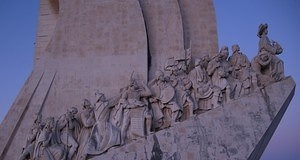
[(183, 88)]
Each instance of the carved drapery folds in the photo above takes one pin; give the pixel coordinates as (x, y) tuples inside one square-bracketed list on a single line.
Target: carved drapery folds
[(177, 93)]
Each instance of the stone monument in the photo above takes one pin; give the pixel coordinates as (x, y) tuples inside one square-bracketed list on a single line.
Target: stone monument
[(141, 79)]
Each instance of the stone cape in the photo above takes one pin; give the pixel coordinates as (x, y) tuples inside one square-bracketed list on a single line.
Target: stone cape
[(241, 129)]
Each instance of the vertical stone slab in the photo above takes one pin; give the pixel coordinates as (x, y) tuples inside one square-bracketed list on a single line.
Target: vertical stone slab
[(164, 31), (47, 19), (95, 45), (199, 25)]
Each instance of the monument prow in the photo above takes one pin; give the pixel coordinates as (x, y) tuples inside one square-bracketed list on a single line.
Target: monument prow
[(141, 79)]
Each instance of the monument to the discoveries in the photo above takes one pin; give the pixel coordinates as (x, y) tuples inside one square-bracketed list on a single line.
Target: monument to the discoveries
[(141, 79)]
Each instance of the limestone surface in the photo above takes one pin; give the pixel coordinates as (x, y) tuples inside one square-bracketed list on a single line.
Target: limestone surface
[(143, 79), (240, 129)]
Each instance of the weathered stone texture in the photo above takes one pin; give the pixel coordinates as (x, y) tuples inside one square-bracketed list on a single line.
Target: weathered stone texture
[(86, 45), (164, 30), (199, 26), (231, 132), (95, 45), (89, 45), (173, 26), (47, 21)]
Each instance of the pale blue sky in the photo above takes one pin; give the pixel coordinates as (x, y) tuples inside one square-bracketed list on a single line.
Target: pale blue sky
[(237, 22)]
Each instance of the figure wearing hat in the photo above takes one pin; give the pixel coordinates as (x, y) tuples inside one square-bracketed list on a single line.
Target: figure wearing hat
[(265, 44), (267, 65)]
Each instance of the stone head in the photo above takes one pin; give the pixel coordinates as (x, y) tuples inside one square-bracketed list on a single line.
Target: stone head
[(133, 84), (49, 123), (99, 96), (86, 104), (262, 29), (72, 111), (235, 48), (224, 52)]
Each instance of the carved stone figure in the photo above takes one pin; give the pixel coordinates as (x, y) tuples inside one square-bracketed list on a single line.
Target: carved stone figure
[(176, 69), (241, 69), (46, 146), (84, 44), (206, 95), (175, 95), (186, 99), (68, 128), (28, 149), (219, 73), (104, 134), (155, 86), (235, 84), (165, 107), (176, 66), (132, 109), (87, 118), (268, 66)]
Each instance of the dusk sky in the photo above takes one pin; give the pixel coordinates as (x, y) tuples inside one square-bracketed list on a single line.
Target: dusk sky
[(237, 22)]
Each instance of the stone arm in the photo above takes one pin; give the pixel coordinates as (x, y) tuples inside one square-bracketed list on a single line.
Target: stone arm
[(153, 99), (152, 82), (245, 62), (88, 120), (265, 44), (112, 102), (193, 78), (228, 69), (33, 135), (65, 121), (212, 66), (232, 62), (146, 92), (187, 84), (70, 123), (61, 123), (123, 103), (237, 61), (91, 119)]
